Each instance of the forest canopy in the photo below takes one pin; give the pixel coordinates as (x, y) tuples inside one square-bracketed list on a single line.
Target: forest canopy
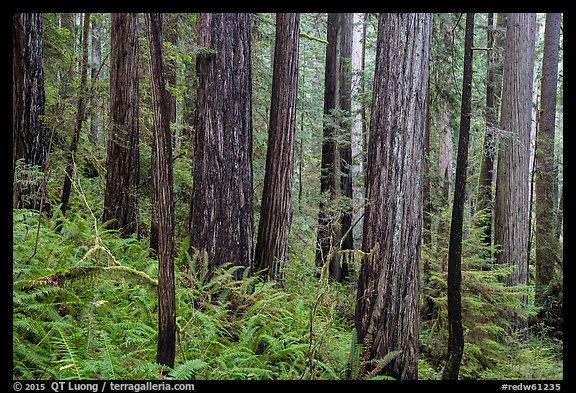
[(289, 196)]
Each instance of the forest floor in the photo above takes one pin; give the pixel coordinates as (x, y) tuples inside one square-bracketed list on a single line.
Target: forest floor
[(85, 306)]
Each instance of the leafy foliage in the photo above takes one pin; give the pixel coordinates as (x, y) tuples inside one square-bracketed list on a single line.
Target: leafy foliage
[(84, 299)]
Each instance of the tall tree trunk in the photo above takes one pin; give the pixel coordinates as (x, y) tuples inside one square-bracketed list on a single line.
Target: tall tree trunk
[(222, 196), (170, 76), (96, 128), (428, 306), (121, 194), (164, 195), (387, 308), (484, 195), (335, 179), (455, 332), (80, 117), (275, 216), (29, 142), (345, 148), (546, 241), (170, 32), (358, 152), (327, 222), (511, 200)]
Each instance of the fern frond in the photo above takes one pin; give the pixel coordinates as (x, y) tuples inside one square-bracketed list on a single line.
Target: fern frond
[(186, 370), (70, 356), (382, 362)]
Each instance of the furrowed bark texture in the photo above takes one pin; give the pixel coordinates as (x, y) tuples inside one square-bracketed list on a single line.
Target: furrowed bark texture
[(335, 179), (123, 162), (546, 240), (511, 199), (164, 195), (275, 217), (28, 102), (387, 310), (222, 196)]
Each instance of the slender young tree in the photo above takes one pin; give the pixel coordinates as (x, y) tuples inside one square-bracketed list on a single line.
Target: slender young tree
[(511, 199), (123, 162), (455, 332), (275, 214), (170, 32), (345, 127), (387, 305), (494, 60), (80, 117), (546, 240), (335, 179), (29, 142), (96, 122), (164, 194), (222, 196), (358, 126)]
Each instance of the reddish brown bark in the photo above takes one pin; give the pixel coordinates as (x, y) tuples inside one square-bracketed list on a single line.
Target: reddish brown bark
[(222, 197), (163, 195), (387, 308), (28, 103), (512, 182), (121, 194), (275, 217)]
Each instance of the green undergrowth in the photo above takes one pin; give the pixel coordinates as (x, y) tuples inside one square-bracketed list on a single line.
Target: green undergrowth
[(85, 306)]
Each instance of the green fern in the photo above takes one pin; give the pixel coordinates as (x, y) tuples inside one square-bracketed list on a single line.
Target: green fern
[(188, 369)]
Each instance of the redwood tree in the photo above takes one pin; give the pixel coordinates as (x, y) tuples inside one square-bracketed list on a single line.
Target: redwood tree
[(494, 59), (222, 196), (546, 240), (28, 103), (121, 194), (275, 215), (511, 199), (335, 179), (163, 195), (387, 307)]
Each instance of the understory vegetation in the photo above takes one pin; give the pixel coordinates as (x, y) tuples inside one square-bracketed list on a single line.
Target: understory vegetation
[(85, 307)]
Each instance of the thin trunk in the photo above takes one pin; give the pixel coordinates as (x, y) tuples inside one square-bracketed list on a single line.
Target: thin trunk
[(363, 93), (345, 137), (170, 32), (275, 217), (484, 196), (327, 222), (336, 148), (454, 282), (357, 127), (427, 218), (80, 117), (559, 216), (96, 128), (163, 181), (547, 246), (387, 309)]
